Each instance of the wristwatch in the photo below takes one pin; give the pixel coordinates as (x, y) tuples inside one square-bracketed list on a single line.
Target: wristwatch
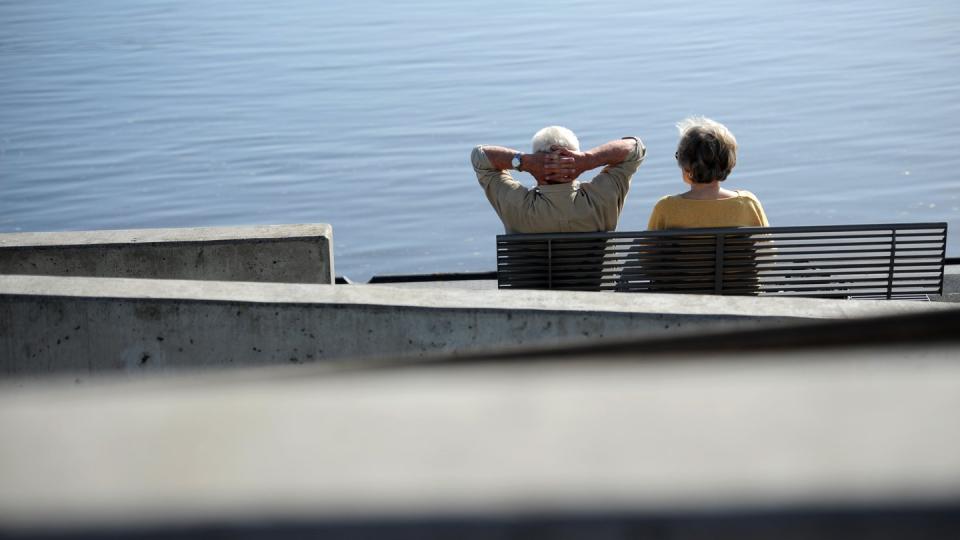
[(515, 162)]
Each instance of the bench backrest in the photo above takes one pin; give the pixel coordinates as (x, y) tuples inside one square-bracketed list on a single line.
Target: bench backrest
[(837, 261)]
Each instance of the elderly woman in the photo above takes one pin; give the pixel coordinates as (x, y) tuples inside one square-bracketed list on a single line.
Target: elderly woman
[(706, 154)]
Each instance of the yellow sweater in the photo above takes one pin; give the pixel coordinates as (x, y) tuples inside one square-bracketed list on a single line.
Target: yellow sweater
[(675, 212)]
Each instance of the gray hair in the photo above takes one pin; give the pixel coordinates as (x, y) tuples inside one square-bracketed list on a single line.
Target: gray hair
[(707, 150), (554, 135)]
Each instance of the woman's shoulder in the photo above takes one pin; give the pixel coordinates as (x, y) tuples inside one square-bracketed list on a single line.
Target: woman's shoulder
[(670, 199), (744, 194), (664, 201)]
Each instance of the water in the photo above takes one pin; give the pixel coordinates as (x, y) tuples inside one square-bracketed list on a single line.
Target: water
[(177, 113)]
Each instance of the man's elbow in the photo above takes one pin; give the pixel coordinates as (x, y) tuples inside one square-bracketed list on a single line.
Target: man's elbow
[(476, 155), (479, 160), (636, 151)]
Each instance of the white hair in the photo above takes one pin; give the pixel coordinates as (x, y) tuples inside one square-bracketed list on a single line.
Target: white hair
[(708, 125), (554, 135)]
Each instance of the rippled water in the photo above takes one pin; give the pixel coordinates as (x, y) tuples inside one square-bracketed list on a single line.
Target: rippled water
[(168, 113)]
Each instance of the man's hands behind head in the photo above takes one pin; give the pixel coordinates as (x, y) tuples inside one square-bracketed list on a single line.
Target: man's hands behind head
[(549, 167), (563, 165)]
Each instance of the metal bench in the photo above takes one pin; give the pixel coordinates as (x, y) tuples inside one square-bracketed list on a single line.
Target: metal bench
[(898, 260)]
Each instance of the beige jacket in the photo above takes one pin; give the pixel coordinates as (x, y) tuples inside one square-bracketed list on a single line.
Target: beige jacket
[(574, 207)]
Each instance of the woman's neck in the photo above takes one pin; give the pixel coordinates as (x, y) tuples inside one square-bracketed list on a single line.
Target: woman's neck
[(711, 191)]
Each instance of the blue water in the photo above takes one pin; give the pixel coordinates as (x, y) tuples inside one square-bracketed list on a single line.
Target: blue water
[(170, 113)]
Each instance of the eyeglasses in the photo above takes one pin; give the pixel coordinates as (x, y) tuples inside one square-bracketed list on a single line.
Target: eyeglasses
[(676, 155)]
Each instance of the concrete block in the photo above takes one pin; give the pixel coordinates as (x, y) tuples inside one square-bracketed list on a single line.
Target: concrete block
[(51, 325), (837, 444), (273, 253)]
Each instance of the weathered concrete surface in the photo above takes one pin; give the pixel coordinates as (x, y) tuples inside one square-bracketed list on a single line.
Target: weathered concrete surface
[(275, 253), (951, 284), (669, 441), (87, 325)]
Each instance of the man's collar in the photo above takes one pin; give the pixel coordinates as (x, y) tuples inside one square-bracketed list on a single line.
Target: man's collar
[(559, 188)]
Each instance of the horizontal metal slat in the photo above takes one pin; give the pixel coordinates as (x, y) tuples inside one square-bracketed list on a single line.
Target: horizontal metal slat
[(785, 245), (825, 265), (771, 274), (852, 287), (880, 282)]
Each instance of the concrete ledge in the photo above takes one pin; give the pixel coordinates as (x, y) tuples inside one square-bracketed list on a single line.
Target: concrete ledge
[(273, 253), (51, 325), (838, 444), (951, 285)]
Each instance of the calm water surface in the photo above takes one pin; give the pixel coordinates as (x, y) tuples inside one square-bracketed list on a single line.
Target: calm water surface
[(176, 113)]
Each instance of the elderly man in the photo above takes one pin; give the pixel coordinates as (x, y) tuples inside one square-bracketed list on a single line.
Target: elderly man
[(559, 203)]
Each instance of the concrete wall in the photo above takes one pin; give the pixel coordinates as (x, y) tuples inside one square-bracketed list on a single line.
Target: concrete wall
[(837, 444), (88, 325), (275, 253)]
